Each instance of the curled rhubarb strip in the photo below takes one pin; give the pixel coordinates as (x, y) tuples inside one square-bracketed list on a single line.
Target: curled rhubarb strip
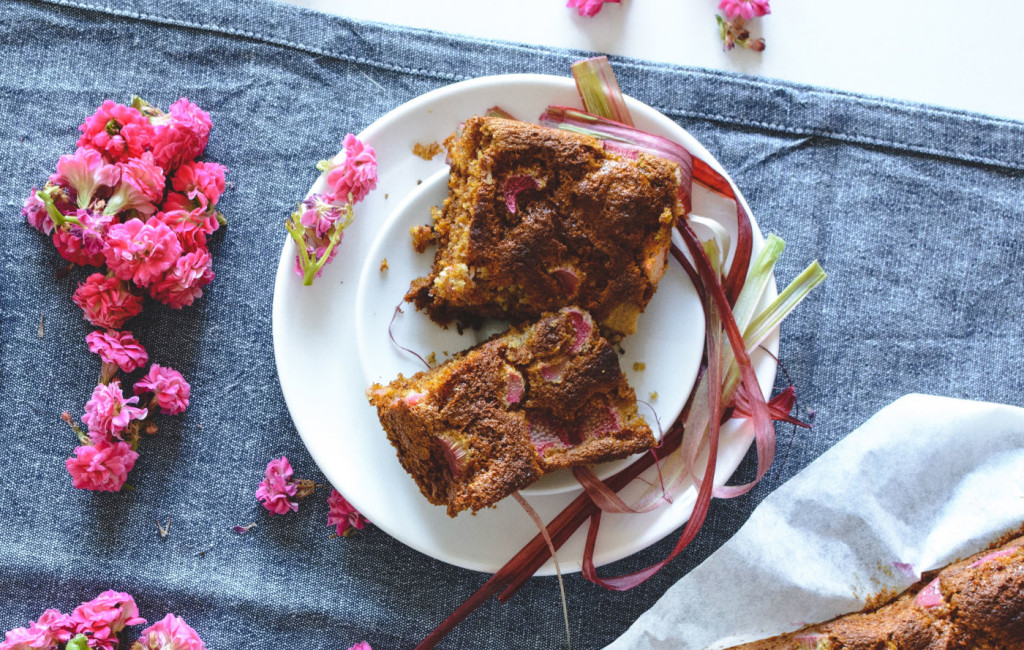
[(764, 430), (700, 508), (554, 558)]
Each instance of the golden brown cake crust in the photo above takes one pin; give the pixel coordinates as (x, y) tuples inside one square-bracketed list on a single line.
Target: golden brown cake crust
[(973, 604), (538, 218), (496, 417)]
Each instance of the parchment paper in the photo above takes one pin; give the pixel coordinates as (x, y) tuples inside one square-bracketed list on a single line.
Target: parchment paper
[(924, 482)]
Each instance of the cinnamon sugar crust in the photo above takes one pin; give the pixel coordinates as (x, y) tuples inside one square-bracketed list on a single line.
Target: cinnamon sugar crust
[(539, 218), (500, 415)]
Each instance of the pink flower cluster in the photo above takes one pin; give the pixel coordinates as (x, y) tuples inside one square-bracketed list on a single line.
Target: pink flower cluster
[(317, 226), (108, 450), (97, 624), (279, 492), (133, 199)]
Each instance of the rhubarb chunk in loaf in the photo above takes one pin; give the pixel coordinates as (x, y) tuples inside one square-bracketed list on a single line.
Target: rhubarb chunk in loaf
[(537, 218), (499, 415), (977, 603)]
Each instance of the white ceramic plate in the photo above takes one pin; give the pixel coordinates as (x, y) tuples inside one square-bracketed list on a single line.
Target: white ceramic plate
[(331, 341)]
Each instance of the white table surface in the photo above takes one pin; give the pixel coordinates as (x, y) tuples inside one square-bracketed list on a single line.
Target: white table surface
[(958, 54)]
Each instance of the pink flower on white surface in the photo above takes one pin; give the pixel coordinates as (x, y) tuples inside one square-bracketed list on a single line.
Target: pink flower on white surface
[(106, 302), (119, 132), (745, 9), (180, 135), (275, 491), (191, 226), (51, 628), (141, 186), (170, 633), (103, 467), (34, 211), (353, 172), (108, 413), (82, 243), (345, 518), (184, 281), (141, 252), (169, 388), (85, 172), (588, 7), (103, 618), (200, 181), (118, 348), (320, 214)]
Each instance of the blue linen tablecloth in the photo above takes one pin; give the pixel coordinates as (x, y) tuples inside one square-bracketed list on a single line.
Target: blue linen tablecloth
[(915, 212)]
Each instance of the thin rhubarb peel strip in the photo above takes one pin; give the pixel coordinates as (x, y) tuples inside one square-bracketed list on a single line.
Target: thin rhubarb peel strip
[(701, 507), (554, 558), (764, 430), (599, 89), (603, 496)]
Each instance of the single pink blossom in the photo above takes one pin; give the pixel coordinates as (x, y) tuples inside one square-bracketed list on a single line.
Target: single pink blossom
[(275, 491), (362, 645), (103, 618), (118, 132), (353, 172), (345, 518), (118, 348), (202, 182), (108, 413), (141, 252), (180, 135), (320, 214), (46, 633), (184, 281), (84, 173), (106, 302), (171, 390), (588, 7), (745, 9), (140, 188), (34, 211), (103, 467), (192, 226), (82, 243), (171, 633)]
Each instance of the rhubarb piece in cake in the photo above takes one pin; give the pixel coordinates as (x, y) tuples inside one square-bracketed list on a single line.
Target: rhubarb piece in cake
[(539, 218), (498, 416)]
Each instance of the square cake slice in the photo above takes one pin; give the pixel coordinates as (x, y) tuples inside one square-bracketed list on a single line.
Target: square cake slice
[(498, 416), (538, 218)]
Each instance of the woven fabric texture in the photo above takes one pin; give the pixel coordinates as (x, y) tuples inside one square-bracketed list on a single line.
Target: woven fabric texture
[(915, 212)]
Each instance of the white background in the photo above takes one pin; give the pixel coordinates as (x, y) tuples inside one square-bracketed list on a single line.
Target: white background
[(964, 54)]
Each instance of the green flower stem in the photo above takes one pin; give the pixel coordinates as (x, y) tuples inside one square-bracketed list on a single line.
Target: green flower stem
[(58, 219)]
